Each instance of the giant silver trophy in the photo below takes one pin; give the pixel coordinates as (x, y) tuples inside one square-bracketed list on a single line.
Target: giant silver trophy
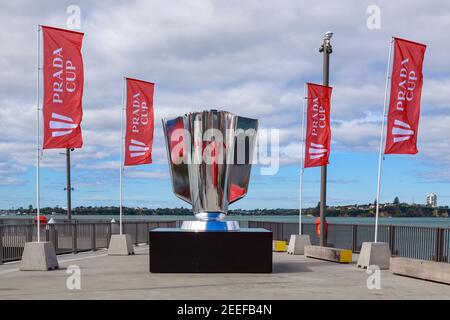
[(210, 154)]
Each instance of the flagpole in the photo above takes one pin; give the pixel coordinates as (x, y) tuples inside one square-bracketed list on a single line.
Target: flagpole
[(381, 154), (121, 152), (302, 163), (327, 49), (38, 150)]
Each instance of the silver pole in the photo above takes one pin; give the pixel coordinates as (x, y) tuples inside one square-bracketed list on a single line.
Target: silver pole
[(302, 156), (327, 49), (38, 149), (68, 186), (121, 151), (380, 157)]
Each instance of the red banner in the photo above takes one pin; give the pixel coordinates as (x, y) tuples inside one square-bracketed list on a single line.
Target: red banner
[(404, 105), (140, 122), (318, 131), (63, 88)]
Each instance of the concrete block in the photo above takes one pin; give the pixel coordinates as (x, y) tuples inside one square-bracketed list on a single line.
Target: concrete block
[(374, 253), (329, 254), (297, 243), (38, 256), (427, 270), (120, 245), (278, 246)]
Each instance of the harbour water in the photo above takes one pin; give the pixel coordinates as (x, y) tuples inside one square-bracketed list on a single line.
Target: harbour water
[(408, 221)]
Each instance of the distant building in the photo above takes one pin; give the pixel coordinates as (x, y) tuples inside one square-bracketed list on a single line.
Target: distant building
[(432, 200)]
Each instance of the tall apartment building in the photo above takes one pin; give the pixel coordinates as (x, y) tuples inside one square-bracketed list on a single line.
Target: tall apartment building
[(432, 200)]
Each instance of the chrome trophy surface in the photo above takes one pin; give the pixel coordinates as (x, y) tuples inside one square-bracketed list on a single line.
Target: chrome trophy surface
[(210, 154)]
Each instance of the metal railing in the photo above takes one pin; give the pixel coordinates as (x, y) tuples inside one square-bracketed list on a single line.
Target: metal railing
[(72, 237), (425, 243)]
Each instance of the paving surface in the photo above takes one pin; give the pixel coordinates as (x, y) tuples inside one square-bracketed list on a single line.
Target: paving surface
[(294, 277)]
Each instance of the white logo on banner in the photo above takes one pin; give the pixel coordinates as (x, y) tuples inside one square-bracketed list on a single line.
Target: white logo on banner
[(62, 127), (402, 131), (137, 148), (317, 151)]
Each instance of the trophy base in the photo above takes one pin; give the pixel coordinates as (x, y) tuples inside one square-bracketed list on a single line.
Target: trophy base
[(213, 225), (180, 251)]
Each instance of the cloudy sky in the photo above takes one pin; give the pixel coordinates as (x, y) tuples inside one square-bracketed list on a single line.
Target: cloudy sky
[(248, 57)]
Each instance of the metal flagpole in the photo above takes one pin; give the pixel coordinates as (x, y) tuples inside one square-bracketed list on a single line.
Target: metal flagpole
[(38, 149), (381, 155), (327, 49), (68, 186), (302, 157), (121, 151)]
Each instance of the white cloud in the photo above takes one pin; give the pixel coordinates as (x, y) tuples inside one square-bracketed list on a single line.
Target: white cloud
[(10, 174), (250, 58), (141, 174)]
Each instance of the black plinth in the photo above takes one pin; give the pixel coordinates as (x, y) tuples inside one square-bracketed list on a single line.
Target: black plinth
[(180, 251)]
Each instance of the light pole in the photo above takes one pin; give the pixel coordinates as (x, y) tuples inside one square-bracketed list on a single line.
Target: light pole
[(326, 49)]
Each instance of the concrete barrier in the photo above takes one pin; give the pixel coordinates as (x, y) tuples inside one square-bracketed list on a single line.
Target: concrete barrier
[(427, 270), (374, 253), (120, 245), (329, 254), (38, 256), (297, 243)]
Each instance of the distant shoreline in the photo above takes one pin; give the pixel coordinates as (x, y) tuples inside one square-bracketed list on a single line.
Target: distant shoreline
[(243, 219), (230, 215), (392, 210)]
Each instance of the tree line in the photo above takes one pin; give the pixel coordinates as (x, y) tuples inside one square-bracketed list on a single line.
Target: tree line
[(395, 209)]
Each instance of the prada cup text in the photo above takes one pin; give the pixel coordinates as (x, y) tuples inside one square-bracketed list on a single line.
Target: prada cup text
[(64, 76)]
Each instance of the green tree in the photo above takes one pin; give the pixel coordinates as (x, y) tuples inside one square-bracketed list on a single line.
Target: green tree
[(396, 201)]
